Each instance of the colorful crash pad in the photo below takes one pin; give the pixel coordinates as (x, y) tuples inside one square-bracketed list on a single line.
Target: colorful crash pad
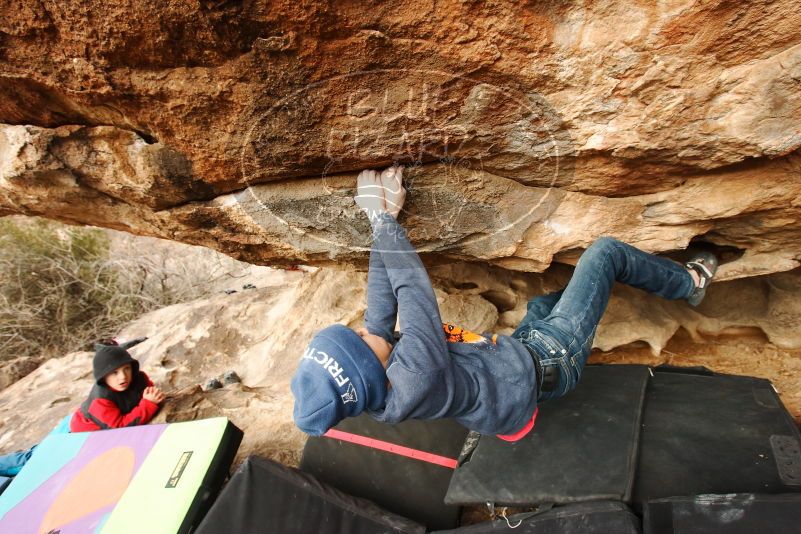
[(151, 478)]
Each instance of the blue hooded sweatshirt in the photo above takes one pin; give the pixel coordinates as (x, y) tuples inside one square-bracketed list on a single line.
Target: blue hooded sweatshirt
[(487, 387)]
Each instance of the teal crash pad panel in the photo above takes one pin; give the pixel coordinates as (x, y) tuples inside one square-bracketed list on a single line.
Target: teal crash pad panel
[(149, 478)]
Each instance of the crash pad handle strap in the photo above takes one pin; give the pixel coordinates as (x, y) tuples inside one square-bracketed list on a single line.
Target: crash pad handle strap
[(393, 448), (541, 509)]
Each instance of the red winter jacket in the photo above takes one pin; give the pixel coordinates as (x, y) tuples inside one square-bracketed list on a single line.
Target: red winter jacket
[(106, 408)]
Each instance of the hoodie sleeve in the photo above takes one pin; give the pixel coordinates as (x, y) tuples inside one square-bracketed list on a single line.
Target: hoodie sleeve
[(422, 346), (382, 306), (108, 414)]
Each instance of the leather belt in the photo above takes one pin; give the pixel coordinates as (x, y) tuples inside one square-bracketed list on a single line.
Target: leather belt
[(549, 377)]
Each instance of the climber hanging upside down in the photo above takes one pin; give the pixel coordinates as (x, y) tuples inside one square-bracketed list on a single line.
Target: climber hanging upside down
[(489, 384)]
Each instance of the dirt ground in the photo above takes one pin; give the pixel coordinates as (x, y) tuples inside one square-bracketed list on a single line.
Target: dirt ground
[(748, 352)]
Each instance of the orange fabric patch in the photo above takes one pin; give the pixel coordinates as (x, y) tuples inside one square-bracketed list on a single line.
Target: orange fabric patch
[(457, 334), (99, 484)]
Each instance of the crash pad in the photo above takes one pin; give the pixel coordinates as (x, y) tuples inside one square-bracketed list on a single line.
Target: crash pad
[(583, 447), (150, 478), (264, 496), (730, 514), (602, 517), (717, 434), (410, 480)]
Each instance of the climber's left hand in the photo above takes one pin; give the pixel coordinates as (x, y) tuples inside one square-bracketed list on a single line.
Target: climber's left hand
[(370, 194)]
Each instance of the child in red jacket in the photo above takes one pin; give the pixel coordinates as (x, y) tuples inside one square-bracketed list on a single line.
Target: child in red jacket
[(121, 396)]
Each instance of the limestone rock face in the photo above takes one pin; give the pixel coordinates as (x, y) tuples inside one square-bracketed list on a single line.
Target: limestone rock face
[(527, 131), (258, 333), (13, 370), (530, 130), (261, 333)]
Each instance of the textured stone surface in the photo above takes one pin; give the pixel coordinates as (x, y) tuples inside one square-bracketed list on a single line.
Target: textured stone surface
[(13, 370), (529, 131), (241, 126), (260, 334)]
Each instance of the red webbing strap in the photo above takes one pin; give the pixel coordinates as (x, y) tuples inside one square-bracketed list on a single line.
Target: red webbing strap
[(392, 448)]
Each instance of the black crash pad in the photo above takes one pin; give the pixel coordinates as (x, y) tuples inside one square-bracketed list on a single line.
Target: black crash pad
[(715, 434), (264, 496), (729, 514), (603, 517), (406, 486), (583, 447)]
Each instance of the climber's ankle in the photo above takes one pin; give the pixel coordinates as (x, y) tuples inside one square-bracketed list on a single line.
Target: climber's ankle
[(696, 277)]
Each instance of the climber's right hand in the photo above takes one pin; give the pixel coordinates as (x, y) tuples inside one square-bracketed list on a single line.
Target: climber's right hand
[(153, 394)]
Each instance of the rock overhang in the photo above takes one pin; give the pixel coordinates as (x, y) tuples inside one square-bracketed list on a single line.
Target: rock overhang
[(530, 130)]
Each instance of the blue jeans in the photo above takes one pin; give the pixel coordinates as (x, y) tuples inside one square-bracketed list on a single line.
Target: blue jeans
[(560, 326), (11, 464)]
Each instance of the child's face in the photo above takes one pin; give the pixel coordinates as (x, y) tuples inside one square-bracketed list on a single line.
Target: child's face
[(378, 344), (120, 378)]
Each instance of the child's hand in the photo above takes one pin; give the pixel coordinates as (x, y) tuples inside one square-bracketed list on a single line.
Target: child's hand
[(153, 394), (394, 193), (370, 194)]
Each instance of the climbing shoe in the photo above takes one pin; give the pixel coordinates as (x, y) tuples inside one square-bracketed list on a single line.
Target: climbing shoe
[(231, 378), (706, 265), (211, 384)]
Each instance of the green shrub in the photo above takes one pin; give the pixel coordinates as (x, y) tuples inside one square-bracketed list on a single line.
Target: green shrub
[(58, 289)]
